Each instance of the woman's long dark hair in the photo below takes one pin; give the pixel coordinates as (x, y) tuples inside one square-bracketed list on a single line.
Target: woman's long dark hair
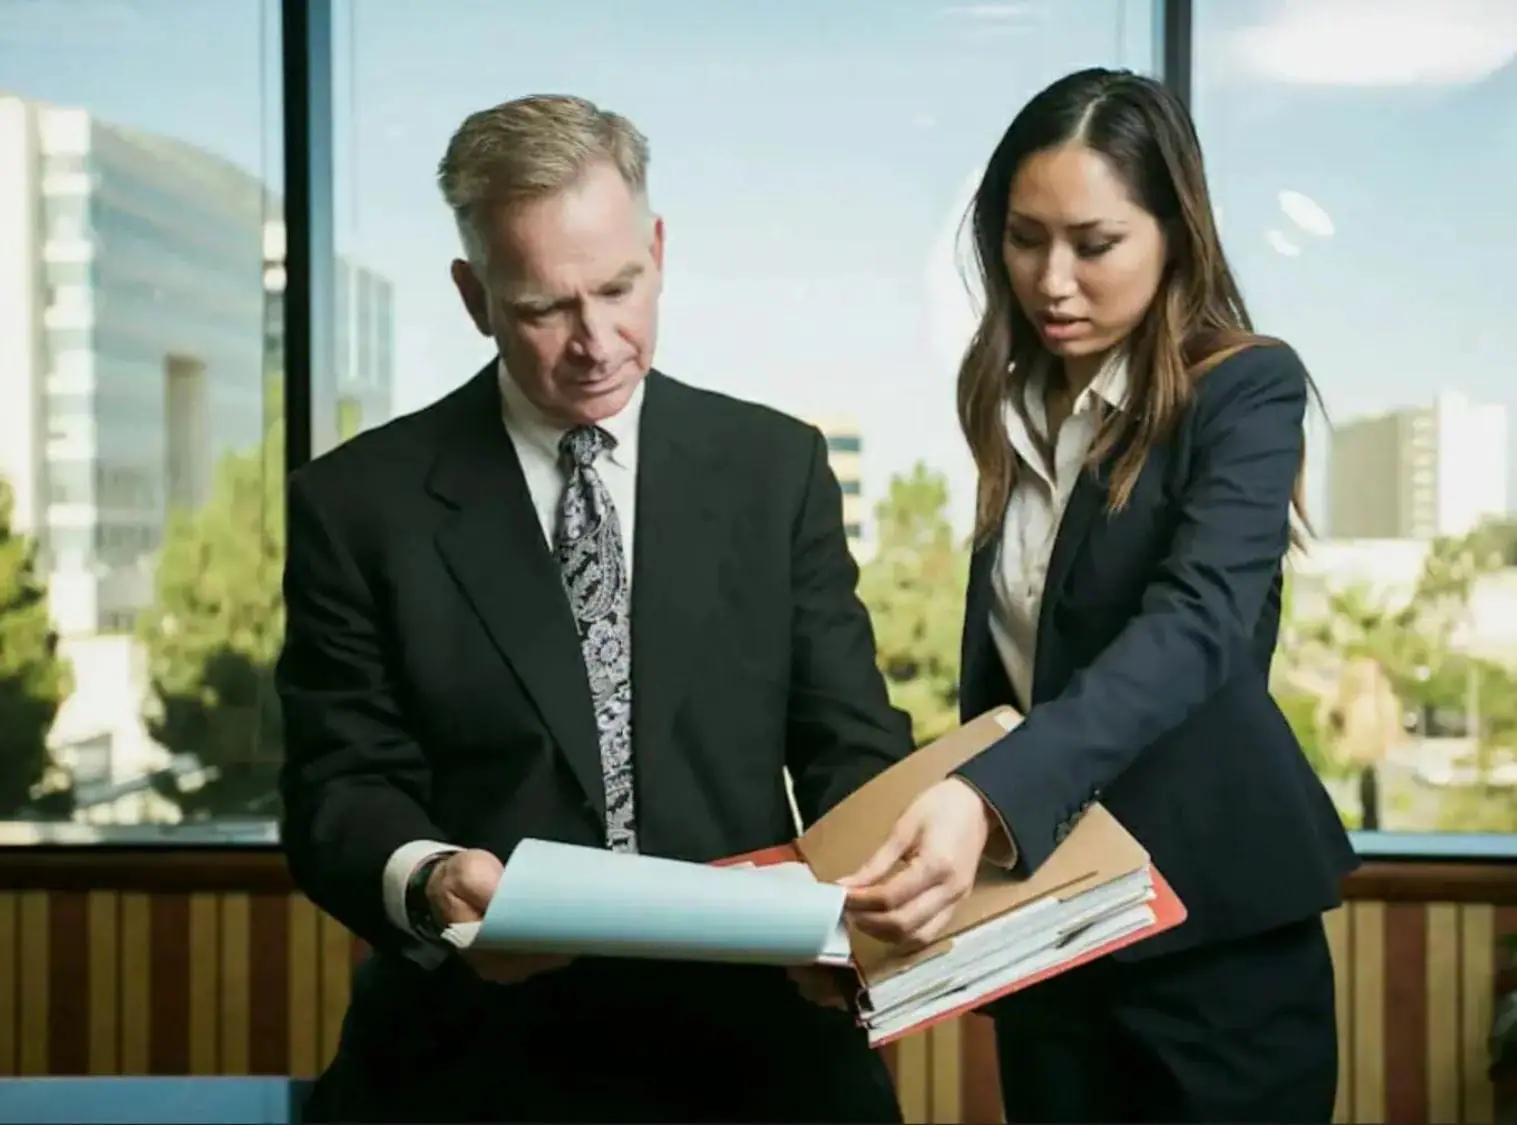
[(1197, 318)]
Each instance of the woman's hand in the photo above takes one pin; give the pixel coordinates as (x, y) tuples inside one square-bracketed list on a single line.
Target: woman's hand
[(907, 891)]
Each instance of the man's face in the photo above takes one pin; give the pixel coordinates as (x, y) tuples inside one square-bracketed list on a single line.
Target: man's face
[(570, 295)]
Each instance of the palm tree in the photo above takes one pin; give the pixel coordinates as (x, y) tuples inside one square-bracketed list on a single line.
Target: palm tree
[(1386, 655), (1360, 713)]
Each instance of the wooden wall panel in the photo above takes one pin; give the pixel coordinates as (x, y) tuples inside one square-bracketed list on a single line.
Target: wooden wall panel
[(163, 967)]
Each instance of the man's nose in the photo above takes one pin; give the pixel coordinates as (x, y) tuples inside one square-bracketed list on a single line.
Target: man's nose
[(593, 340)]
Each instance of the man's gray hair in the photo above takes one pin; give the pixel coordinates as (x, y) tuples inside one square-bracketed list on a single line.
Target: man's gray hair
[(530, 148)]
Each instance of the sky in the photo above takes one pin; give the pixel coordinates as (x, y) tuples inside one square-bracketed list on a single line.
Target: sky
[(812, 161)]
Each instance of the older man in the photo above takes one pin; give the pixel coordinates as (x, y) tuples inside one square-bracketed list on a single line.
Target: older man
[(574, 599)]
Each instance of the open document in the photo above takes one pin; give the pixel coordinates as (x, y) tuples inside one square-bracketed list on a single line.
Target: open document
[(578, 901)]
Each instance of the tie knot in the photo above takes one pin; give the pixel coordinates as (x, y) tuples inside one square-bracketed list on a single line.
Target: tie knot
[(583, 444)]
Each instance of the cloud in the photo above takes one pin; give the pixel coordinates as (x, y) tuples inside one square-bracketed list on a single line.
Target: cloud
[(1373, 43), (1282, 245), (986, 22), (81, 23), (1005, 11), (1306, 213)]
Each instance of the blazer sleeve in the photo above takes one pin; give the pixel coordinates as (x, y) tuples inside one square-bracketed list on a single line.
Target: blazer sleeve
[(842, 729), (355, 785), (1195, 617)]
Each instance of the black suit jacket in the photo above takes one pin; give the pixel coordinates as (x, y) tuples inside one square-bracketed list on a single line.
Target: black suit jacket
[(433, 687), (1151, 676)]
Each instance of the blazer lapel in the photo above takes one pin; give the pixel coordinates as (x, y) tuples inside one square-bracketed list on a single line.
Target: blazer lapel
[(1084, 502), (493, 544), (678, 550), (976, 647)]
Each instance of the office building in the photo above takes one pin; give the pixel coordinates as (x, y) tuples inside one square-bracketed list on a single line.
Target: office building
[(357, 392), (1418, 473), (130, 340), (844, 445)]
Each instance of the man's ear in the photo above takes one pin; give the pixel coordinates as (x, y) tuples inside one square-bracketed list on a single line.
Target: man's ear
[(472, 292), (657, 249)]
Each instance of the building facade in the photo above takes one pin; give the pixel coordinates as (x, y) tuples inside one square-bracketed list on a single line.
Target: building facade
[(358, 391), (845, 446), (131, 340), (1419, 473)]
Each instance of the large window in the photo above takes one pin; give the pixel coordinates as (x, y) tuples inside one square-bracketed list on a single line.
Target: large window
[(140, 448), (174, 299), (812, 162), (1362, 154)]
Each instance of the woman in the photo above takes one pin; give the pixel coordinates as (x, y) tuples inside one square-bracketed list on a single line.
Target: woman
[(1139, 453)]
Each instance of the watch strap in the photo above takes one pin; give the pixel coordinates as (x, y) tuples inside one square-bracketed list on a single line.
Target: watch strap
[(418, 907)]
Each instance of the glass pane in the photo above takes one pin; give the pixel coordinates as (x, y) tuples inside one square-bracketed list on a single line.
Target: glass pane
[(1362, 157), (812, 162), (139, 420)]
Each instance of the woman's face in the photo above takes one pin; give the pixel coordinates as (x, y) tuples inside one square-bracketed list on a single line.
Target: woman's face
[(1084, 259)]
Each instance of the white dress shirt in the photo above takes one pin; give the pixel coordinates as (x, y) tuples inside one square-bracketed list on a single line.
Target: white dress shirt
[(1035, 509), (536, 440)]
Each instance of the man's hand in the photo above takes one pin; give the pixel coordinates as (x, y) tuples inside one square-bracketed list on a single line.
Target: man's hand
[(459, 890), (906, 892)]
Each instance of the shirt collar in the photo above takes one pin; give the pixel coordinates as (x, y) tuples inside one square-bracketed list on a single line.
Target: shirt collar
[(1109, 387), (1110, 383), (541, 431)]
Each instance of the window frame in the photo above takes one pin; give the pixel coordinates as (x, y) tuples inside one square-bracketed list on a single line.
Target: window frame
[(306, 67)]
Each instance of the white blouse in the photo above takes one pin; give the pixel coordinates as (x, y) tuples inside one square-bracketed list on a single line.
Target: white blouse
[(1035, 509)]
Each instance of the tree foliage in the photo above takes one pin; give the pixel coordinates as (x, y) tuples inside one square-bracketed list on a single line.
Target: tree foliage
[(34, 678), (1413, 644), (214, 631), (914, 589)]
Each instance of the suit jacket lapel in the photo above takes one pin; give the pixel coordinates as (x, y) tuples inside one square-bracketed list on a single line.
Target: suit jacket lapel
[(976, 648), (1085, 503), (492, 543), (681, 519)]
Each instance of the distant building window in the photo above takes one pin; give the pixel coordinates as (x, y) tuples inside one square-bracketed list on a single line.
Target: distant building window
[(853, 530), (843, 443), (850, 487)]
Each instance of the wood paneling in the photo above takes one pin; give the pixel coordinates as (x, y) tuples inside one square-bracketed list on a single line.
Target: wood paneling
[(209, 963)]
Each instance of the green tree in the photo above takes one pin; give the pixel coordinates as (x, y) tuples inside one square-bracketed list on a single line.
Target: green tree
[(34, 678), (914, 589), (1410, 646), (1301, 712), (213, 634)]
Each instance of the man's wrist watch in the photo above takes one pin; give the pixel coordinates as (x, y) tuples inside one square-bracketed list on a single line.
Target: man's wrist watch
[(418, 907)]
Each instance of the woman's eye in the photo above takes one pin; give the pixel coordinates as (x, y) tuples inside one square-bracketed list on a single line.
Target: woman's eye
[(1096, 250)]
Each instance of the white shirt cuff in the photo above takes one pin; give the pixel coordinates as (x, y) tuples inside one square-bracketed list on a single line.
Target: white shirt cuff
[(402, 864)]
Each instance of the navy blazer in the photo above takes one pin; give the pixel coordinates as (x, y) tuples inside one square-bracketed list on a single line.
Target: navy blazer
[(1151, 676)]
